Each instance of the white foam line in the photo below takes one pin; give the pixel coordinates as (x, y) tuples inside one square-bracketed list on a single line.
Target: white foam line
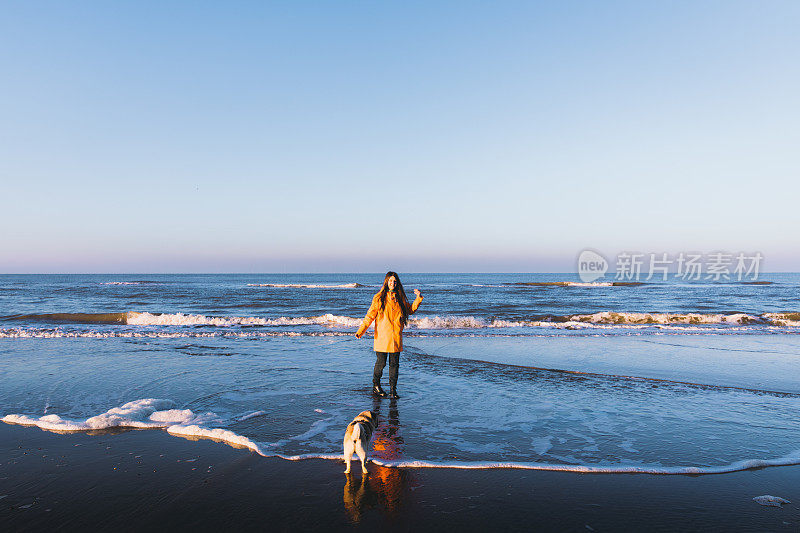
[(306, 456), (134, 318), (605, 320), (142, 414), (747, 464), (217, 434), (605, 331), (147, 413), (251, 415)]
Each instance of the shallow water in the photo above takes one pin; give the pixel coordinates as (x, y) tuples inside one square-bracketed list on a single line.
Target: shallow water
[(293, 397), (664, 397)]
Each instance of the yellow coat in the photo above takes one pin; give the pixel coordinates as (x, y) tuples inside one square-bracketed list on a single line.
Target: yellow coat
[(388, 328)]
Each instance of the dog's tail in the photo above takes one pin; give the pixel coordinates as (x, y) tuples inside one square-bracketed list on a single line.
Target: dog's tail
[(356, 434)]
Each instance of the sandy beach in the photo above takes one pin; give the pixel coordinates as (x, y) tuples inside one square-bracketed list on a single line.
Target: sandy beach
[(136, 480)]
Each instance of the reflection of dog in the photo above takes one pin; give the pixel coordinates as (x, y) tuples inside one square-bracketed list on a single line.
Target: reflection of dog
[(356, 438), (355, 500)]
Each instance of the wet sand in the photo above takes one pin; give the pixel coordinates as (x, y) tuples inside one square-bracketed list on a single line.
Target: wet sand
[(137, 480)]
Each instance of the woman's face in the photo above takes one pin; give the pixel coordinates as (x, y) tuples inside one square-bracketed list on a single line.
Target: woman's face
[(391, 282)]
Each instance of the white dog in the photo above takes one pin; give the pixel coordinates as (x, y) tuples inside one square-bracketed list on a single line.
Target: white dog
[(356, 438)]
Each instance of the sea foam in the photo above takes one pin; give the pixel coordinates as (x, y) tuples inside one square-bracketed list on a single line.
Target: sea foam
[(146, 413), (195, 431), (770, 501), (142, 414), (150, 413), (746, 464)]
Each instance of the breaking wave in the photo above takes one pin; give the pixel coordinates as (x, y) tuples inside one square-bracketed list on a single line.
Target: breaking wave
[(599, 320), (611, 317), (134, 318), (180, 319)]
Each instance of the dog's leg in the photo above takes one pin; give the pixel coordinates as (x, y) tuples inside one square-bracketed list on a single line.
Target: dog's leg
[(362, 455), (348, 454)]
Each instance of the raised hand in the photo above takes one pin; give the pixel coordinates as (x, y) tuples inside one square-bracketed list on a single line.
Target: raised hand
[(417, 293)]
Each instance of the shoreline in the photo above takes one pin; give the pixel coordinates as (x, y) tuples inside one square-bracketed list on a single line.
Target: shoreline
[(136, 479), (188, 429)]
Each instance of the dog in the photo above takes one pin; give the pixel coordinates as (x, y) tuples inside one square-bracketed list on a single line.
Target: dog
[(357, 437)]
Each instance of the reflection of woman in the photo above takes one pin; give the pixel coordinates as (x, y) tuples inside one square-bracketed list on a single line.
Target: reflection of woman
[(390, 310)]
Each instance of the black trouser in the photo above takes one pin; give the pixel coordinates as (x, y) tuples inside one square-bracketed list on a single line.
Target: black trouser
[(394, 367)]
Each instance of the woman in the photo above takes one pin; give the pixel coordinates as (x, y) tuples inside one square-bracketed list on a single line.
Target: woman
[(390, 310)]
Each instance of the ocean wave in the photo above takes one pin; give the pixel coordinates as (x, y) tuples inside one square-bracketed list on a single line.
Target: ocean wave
[(180, 319), (307, 285), (626, 318), (783, 319), (576, 284), (39, 333), (135, 318), (144, 282), (609, 318), (604, 283), (598, 320), (554, 284), (150, 413), (594, 330)]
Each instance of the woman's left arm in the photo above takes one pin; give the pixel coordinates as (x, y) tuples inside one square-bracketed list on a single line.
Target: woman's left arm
[(417, 301)]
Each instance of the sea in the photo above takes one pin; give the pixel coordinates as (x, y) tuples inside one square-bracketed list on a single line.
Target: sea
[(533, 371)]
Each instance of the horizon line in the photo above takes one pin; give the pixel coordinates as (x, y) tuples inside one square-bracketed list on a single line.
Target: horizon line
[(292, 273)]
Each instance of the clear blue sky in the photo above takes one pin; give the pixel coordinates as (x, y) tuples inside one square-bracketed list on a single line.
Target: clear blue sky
[(418, 136)]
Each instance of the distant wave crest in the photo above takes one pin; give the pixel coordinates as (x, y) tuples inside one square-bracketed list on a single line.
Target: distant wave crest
[(307, 285), (578, 283), (129, 283), (598, 319), (612, 317)]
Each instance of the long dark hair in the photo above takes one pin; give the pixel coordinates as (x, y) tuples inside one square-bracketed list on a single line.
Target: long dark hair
[(401, 296)]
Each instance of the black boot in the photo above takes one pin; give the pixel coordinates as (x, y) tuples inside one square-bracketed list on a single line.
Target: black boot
[(378, 391), (393, 392)]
